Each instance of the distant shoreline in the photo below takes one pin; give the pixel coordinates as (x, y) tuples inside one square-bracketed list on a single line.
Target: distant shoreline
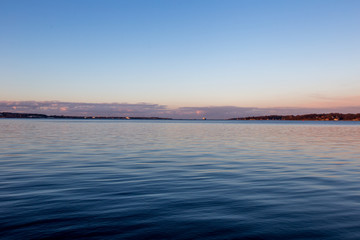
[(305, 117), (36, 115)]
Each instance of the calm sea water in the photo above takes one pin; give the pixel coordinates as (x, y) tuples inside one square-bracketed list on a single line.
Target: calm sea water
[(105, 179)]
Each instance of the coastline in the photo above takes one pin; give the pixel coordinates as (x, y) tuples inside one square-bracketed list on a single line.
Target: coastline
[(306, 117)]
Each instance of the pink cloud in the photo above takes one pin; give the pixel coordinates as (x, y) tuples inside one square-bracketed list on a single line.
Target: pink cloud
[(321, 101)]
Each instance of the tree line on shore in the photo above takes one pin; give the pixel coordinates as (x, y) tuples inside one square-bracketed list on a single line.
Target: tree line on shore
[(307, 117), (35, 115)]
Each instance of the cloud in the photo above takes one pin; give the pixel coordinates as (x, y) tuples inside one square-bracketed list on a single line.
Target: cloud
[(212, 112), (156, 110), (83, 109), (325, 101)]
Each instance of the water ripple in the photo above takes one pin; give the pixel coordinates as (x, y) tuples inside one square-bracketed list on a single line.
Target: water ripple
[(179, 180)]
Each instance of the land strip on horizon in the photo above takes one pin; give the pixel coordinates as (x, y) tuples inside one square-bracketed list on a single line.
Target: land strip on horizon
[(305, 117)]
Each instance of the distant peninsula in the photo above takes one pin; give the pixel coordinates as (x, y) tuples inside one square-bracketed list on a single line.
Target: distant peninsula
[(307, 117), (35, 115)]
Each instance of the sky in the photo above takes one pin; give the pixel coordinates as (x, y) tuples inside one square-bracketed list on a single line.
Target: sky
[(180, 58)]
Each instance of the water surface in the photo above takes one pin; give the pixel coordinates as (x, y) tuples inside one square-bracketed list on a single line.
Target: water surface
[(129, 179)]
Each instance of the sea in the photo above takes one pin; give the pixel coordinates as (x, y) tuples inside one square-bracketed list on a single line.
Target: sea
[(179, 179)]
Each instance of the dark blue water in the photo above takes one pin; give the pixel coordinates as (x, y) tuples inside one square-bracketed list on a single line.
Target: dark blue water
[(76, 179)]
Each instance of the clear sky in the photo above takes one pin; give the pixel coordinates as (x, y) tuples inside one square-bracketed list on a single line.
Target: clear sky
[(182, 53)]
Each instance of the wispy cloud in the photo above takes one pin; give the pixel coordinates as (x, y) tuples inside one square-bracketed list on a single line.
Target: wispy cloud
[(155, 110), (325, 101), (83, 109)]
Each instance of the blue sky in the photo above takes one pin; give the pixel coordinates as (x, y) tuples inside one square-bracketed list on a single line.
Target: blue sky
[(250, 53)]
